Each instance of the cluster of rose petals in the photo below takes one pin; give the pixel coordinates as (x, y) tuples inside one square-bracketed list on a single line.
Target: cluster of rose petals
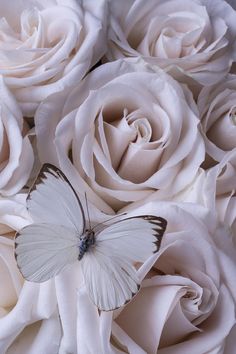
[(48, 45), (16, 154), (196, 38), (129, 132), (217, 109), (214, 189)]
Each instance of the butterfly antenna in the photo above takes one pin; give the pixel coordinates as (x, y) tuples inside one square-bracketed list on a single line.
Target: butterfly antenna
[(86, 201), (113, 217)]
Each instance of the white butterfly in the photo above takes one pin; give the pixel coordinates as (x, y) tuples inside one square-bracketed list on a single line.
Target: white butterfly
[(59, 237)]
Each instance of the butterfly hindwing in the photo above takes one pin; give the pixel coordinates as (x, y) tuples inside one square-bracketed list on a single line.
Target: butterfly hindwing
[(110, 281), (44, 250), (53, 200), (109, 274)]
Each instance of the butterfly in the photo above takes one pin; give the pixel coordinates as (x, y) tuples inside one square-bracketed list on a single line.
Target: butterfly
[(59, 236)]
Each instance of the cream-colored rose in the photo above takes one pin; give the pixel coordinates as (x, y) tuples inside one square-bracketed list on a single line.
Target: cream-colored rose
[(187, 299), (217, 108), (47, 46), (125, 134), (29, 321), (193, 38), (16, 154)]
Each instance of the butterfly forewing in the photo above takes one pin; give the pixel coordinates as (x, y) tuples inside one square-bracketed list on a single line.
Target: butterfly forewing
[(44, 250), (45, 247), (109, 274), (53, 200), (135, 237)]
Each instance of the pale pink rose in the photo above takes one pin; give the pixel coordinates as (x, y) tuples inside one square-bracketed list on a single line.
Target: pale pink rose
[(187, 299), (217, 108), (193, 39), (29, 321), (16, 154), (124, 134), (47, 46)]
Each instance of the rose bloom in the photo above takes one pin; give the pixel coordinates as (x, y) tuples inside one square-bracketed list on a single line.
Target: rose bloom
[(126, 133), (16, 154), (217, 107), (29, 320), (187, 299), (48, 45), (193, 39)]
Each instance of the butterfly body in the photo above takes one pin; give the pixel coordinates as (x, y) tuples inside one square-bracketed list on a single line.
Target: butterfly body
[(85, 241), (59, 237)]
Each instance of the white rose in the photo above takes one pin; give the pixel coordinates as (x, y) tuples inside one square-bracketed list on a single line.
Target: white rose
[(187, 299), (217, 107), (195, 38), (16, 154), (49, 45), (29, 320), (130, 132)]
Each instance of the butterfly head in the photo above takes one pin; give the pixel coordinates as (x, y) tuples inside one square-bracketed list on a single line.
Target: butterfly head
[(86, 240)]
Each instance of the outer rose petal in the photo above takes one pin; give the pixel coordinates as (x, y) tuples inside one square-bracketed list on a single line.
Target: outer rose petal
[(16, 154), (13, 213), (215, 190), (219, 190), (43, 309), (218, 118)]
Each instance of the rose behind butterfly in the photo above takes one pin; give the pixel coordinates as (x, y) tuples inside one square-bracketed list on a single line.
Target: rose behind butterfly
[(126, 133), (49, 45), (187, 299), (28, 312)]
